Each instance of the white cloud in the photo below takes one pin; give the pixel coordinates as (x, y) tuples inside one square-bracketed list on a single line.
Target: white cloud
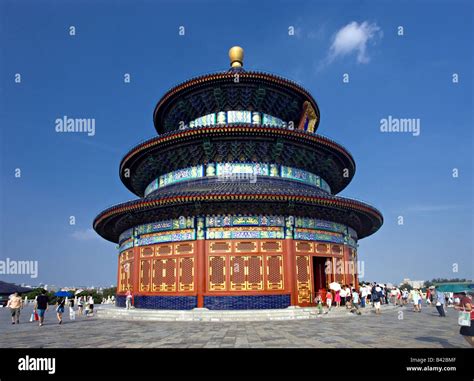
[(354, 38), (85, 235)]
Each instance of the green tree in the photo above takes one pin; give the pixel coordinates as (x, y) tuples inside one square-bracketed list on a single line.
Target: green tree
[(33, 293), (407, 286), (86, 293), (38, 291), (111, 291), (453, 280), (428, 284)]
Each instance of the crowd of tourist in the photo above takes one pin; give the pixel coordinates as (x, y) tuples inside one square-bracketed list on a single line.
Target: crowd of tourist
[(85, 306), (353, 298), (376, 294)]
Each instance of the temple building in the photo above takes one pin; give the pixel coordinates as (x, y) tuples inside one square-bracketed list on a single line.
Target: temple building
[(237, 202)]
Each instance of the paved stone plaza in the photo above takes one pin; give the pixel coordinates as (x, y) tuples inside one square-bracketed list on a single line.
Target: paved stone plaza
[(415, 330)]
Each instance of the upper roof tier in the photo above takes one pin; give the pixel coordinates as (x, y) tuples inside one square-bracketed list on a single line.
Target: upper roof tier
[(235, 89)]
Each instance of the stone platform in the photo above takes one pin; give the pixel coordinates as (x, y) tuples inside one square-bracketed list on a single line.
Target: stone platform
[(394, 328), (203, 314)]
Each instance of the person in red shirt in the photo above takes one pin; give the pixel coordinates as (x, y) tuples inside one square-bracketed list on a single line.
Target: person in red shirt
[(337, 299), (428, 296), (329, 300), (466, 305)]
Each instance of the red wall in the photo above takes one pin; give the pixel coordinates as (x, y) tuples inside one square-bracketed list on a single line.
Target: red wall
[(229, 267)]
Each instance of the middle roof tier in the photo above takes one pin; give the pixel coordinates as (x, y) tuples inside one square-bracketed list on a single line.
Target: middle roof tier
[(236, 144)]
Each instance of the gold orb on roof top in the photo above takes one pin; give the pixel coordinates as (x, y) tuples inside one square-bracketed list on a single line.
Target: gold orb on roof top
[(236, 55)]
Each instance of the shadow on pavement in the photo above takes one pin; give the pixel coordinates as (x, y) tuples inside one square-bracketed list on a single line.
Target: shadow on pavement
[(444, 343)]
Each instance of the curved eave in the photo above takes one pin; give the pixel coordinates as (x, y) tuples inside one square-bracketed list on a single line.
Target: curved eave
[(139, 153), (206, 80), (364, 211)]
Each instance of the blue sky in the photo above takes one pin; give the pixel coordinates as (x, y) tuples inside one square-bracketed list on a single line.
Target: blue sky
[(81, 76)]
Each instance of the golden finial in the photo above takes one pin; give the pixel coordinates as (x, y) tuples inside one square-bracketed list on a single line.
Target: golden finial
[(236, 55)]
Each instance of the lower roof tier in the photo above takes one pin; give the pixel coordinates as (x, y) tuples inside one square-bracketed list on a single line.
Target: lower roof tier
[(212, 196), (244, 143)]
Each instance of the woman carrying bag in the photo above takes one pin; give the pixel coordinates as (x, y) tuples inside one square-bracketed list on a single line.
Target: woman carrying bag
[(466, 317)]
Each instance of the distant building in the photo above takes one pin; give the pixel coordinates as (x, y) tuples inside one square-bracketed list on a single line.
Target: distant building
[(413, 283)]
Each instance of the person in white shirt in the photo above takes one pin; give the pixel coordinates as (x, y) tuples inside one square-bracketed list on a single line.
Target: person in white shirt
[(376, 297), (355, 297), (342, 294), (405, 296), (90, 306), (363, 293), (348, 295), (355, 300), (393, 295), (415, 297), (128, 300), (80, 305)]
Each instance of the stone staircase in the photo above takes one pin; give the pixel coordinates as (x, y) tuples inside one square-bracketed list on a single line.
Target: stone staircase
[(203, 314)]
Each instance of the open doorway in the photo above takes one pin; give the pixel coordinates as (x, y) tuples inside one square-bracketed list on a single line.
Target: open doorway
[(319, 274)]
